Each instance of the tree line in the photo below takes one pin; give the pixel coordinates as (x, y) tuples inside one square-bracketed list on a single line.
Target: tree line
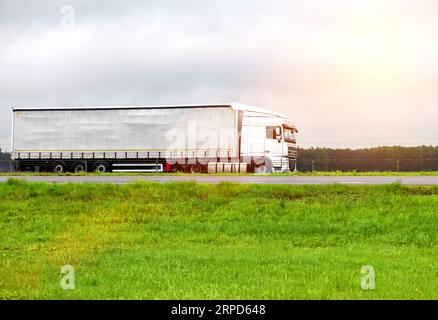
[(421, 158)]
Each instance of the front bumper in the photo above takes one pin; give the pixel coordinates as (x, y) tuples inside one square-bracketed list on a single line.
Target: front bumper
[(281, 164)]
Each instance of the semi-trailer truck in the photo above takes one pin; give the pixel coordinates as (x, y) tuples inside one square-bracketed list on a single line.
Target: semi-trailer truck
[(190, 138)]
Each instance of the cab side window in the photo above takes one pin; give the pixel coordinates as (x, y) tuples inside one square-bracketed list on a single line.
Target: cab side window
[(270, 132)]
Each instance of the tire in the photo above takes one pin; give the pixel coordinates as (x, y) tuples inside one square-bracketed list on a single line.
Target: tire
[(293, 166), (264, 168), (260, 169), (101, 167), (196, 169), (58, 168), (79, 168)]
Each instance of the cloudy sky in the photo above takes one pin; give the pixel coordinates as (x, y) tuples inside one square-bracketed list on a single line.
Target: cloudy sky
[(347, 73)]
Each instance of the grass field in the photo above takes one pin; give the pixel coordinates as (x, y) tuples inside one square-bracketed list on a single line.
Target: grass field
[(226, 241)]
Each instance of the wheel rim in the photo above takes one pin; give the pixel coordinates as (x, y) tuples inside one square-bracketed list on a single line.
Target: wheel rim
[(101, 168), (196, 169), (79, 168), (261, 169), (58, 168)]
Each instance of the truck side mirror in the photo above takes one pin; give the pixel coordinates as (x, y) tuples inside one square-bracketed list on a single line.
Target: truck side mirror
[(278, 133)]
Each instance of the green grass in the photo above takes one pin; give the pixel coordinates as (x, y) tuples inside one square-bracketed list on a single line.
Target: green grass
[(226, 241)]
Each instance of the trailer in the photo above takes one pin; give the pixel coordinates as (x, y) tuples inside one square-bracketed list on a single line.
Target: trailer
[(188, 138)]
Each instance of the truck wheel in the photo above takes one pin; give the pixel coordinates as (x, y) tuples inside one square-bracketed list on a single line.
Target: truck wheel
[(101, 167), (264, 168), (196, 168), (58, 168), (79, 168), (260, 169), (293, 166)]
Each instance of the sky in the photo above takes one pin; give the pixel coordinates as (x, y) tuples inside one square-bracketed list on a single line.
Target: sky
[(347, 73)]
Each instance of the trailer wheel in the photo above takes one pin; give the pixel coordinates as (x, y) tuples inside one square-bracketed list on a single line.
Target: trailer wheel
[(58, 168), (196, 169), (101, 167), (79, 168)]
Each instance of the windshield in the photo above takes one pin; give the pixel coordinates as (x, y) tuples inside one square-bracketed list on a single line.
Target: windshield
[(289, 135)]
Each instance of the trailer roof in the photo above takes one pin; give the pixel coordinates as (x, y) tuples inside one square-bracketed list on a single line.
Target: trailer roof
[(235, 106)]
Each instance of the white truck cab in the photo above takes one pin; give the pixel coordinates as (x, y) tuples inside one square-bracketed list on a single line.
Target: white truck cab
[(269, 138)]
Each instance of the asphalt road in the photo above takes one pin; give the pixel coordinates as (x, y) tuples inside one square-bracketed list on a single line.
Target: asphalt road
[(257, 179)]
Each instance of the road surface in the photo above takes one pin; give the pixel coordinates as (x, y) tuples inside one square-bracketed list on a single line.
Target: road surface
[(257, 179)]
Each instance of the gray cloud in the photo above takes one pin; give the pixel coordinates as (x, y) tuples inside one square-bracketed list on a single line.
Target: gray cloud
[(298, 58)]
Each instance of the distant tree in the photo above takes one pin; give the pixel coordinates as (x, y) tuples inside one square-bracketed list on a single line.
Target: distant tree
[(4, 161), (4, 155)]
